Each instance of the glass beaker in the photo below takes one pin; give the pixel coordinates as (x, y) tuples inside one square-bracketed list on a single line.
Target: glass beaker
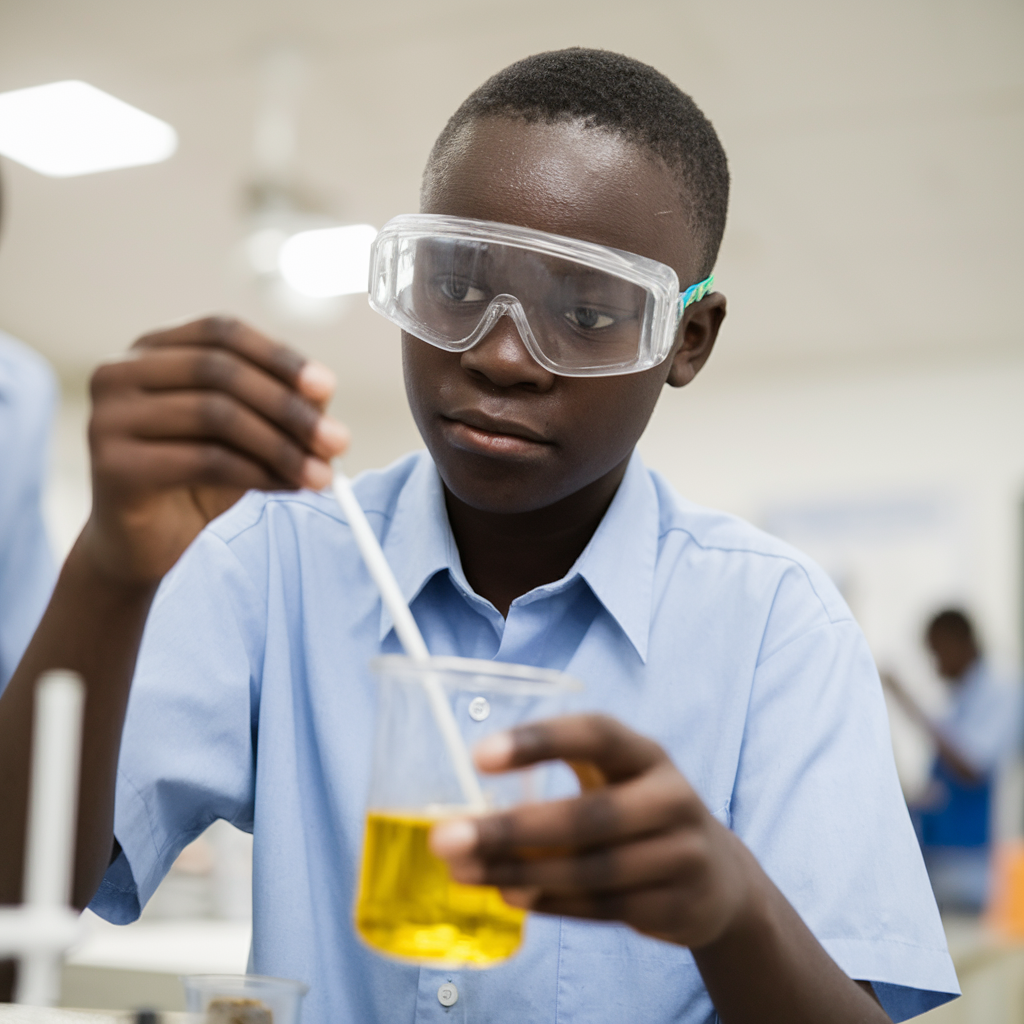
[(242, 998), (407, 905)]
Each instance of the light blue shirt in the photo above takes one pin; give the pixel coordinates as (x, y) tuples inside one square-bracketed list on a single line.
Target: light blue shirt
[(253, 702), (27, 572), (984, 721)]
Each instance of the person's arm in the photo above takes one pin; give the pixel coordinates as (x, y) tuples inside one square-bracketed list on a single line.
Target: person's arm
[(180, 430), (947, 750), (644, 850)]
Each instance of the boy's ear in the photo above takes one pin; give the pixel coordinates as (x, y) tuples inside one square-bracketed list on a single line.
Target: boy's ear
[(698, 331)]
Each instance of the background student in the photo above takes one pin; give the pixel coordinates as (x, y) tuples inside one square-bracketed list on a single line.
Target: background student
[(27, 572), (977, 734)]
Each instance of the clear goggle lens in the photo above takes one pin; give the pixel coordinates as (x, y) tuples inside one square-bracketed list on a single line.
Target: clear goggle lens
[(579, 316), (580, 308)]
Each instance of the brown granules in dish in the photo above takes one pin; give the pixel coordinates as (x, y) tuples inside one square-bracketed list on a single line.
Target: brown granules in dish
[(238, 1011)]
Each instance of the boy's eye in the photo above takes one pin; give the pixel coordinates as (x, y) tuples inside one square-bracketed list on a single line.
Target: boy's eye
[(588, 318), (458, 289)]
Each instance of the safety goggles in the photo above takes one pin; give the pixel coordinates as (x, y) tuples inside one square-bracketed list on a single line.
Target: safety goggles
[(582, 309)]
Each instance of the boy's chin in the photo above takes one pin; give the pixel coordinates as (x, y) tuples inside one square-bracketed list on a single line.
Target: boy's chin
[(499, 486)]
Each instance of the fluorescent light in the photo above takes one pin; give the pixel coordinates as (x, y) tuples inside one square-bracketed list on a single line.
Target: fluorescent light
[(263, 247), (328, 261), (69, 128)]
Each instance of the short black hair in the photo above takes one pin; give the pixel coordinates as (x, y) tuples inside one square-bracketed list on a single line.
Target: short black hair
[(954, 623), (611, 91)]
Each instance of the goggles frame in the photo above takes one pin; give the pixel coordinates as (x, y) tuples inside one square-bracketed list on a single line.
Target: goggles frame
[(662, 315)]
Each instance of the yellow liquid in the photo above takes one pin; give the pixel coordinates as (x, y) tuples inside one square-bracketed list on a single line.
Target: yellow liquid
[(409, 907)]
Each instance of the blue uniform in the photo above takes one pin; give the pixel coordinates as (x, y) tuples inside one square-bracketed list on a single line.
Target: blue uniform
[(253, 702), (983, 722), (27, 572), (983, 725)]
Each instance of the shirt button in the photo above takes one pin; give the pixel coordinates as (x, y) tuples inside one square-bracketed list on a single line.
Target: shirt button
[(479, 709), (447, 994)]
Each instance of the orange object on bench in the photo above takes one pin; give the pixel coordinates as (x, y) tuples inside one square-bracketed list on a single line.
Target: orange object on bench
[(1005, 913)]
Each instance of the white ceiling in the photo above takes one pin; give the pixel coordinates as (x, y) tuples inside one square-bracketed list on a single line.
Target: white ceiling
[(877, 152)]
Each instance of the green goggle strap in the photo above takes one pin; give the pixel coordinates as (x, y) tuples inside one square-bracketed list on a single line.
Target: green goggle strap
[(694, 293)]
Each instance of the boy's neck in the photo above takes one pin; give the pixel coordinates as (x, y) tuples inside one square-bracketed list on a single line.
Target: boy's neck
[(507, 555)]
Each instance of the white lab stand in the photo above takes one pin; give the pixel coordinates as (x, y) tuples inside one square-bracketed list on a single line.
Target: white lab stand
[(39, 932)]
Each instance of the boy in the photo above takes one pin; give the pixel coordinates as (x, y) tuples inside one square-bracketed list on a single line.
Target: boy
[(975, 737), (743, 709)]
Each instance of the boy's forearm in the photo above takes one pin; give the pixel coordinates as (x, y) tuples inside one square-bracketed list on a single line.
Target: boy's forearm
[(768, 967), (957, 762), (948, 751), (93, 626)]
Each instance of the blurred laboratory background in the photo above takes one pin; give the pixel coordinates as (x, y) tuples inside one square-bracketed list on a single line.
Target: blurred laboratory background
[(865, 401)]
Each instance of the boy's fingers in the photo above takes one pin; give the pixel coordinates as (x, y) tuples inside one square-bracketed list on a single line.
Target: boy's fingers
[(657, 801), (172, 368), (657, 860), (178, 463), (615, 750), (312, 378), (216, 416), (235, 336), (522, 898), (649, 910), (317, 382), (647, 794)]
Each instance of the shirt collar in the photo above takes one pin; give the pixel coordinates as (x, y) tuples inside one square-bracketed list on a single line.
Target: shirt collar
[(618, 564), (418, 542)]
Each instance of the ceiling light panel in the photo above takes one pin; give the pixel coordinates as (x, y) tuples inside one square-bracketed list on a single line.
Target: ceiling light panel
[(328, 261), (69, 128)]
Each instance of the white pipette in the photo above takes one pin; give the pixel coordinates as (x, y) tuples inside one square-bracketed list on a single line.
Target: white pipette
[(411, 638)]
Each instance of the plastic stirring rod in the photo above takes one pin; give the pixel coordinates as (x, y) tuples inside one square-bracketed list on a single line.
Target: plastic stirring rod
[(412, 640)]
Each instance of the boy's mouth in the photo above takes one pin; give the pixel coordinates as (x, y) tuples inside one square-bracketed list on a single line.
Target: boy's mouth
[(475, 431)]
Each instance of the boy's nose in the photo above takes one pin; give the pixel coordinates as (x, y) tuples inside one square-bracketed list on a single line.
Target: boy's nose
[(504, 360)]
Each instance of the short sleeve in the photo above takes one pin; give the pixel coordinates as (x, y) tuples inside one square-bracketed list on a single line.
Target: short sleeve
[(187, 752), (818, 802)]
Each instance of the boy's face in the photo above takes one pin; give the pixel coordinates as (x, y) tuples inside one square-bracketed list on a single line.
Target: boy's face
[(954, 654), (506, 434)]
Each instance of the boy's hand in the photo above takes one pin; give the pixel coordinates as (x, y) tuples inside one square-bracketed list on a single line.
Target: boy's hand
[(643, 850), (183, 425)]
